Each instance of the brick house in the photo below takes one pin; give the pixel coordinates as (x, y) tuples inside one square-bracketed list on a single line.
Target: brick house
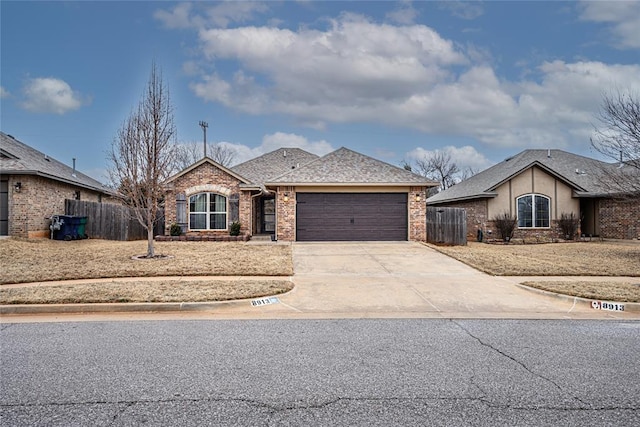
[(293, 195), (34, 186), (537, 187)]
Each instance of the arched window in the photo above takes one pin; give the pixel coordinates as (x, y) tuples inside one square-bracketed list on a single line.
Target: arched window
[(533, 211), (207, 211)]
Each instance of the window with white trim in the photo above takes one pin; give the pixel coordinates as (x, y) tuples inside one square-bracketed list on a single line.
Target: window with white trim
[(533, 211), (207, 211)]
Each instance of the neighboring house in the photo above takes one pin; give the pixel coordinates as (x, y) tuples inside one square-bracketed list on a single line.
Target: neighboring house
[(294, 195), (34, 186), (537, 187)]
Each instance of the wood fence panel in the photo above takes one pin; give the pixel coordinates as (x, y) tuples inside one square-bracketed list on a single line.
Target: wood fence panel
[(446, 226), (110, 221)]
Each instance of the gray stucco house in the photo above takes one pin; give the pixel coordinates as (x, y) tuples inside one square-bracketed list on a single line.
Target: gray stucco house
[(537, 187)]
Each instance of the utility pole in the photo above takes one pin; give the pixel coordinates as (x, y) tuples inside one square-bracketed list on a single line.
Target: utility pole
[(204, 126)]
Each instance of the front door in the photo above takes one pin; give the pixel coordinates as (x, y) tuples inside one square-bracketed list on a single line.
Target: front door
[(268, 216)]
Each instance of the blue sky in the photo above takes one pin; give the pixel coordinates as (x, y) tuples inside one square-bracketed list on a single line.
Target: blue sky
[(393, 80)]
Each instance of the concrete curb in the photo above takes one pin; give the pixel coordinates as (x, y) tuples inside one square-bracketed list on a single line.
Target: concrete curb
[(632, 307), (150, 307)]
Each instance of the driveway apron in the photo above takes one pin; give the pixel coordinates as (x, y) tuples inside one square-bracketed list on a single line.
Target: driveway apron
[(408, 279)]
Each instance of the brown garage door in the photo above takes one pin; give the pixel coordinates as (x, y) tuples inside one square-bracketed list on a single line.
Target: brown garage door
[(351, 216)]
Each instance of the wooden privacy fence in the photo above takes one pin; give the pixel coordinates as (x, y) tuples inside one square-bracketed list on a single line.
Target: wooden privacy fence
[(110, 221), (446, 226)]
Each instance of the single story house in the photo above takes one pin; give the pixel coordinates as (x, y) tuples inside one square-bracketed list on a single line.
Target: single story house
[(34, 186), (293, 195), (537, 187)]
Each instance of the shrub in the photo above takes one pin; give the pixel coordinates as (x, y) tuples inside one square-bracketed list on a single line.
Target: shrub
[(568, 224), (234, 230), (505, 225), (175, 229)]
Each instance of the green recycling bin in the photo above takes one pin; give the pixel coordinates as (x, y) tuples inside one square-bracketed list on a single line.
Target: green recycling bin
[(81, 222)]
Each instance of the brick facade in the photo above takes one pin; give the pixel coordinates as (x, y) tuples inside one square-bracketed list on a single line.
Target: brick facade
[(417, 214), (286, 214), (207, 178), (619, 219), (38, 199)]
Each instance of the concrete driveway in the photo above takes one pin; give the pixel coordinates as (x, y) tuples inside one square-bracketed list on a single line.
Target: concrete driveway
[(408, 279)]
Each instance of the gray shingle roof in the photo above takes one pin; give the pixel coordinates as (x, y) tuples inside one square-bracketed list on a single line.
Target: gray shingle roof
[(345, 166), (580, 173), (273, 164), (19, 159)]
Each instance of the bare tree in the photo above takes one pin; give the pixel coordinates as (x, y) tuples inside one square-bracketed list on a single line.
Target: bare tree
[(618, 138), (142, 155), (190, 153), (438, 166)]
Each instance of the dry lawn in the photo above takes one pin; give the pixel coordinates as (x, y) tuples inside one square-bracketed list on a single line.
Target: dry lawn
[(36, 260), (553, 259), (145, 291), (610, 291)]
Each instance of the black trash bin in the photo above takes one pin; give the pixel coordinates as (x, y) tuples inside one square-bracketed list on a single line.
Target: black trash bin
[(64, 227)]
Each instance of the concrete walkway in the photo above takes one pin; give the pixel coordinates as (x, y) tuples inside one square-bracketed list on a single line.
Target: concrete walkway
[(375, 280)]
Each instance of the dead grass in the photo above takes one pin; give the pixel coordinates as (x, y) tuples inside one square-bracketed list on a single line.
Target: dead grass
[(609, 291), (36, 260), (145, 291), (553, 259)]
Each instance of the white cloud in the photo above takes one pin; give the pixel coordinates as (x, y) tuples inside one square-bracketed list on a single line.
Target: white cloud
[(50, 95), (184, 15), (407, 76), (623, 16), (348, 72), (404, 14), (277, 140), (466, 157), (463, 9), (4, 93)]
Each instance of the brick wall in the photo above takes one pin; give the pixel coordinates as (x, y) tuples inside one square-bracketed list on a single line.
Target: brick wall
[(207, 178), (286, 214), (620, 219), (417, 214), (39, 199)]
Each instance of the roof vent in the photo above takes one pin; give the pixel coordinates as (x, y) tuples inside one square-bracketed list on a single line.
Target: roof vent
[(73, 174), (549, 153), (284, 153), (47, 158)]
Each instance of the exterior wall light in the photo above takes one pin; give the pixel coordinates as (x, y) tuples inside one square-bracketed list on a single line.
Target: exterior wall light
[(17, 187), (286, 197), (418, 197)]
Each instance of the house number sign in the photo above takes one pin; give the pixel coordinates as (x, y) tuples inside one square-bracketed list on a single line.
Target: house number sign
[(610, 306), (264, 301)]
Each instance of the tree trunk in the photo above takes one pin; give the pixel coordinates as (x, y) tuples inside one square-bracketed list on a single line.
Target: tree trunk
[(150, 249)]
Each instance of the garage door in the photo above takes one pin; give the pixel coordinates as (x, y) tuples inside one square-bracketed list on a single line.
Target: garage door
[(351, 216)]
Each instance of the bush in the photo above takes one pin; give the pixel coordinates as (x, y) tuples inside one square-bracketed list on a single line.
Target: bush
[(505, 225), (568, 225), (234, 230), (175, 230)]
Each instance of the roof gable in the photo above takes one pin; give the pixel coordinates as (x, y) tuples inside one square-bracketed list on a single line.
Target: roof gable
[(578, 172), (20, 159), (273, 164), (345, 166), (211, 162)]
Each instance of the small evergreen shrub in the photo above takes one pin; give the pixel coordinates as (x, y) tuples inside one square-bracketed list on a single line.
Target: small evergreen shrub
[(175, 229), (234, 230)]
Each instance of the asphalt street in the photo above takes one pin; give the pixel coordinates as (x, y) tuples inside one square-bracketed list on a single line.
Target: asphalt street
[(321, 372)]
